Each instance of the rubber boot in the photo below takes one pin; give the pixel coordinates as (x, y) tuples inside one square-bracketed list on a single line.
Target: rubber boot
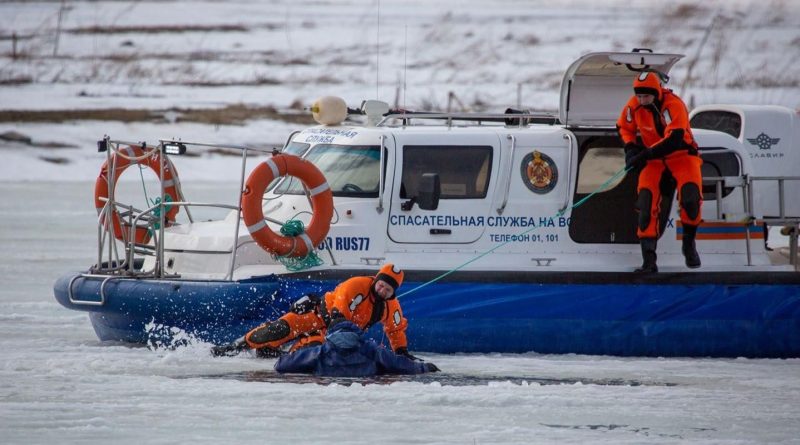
[(688, 248), (648, 256)]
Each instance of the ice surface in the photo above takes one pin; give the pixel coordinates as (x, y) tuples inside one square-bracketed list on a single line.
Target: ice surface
[(59, 384)]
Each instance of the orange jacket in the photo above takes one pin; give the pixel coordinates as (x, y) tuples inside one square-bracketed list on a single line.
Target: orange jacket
[(353, 298), (658, 124)]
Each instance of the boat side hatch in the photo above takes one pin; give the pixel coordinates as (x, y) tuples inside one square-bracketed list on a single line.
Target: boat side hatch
[(609, 217), (442, 191), (596, 86)]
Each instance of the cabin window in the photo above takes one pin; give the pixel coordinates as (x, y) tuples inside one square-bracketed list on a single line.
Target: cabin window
[(464, 171), (717, 162), (597, 166), (724, 121), (350, 170)]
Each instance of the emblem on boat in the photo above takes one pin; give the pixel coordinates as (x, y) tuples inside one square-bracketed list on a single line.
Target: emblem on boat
[(539, 172), (763, 141)]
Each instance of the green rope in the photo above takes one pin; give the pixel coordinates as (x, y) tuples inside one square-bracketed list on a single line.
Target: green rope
[(292, 228), (599, 189), (157, 210)]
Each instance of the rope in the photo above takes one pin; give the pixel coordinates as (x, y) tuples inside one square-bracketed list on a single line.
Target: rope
[(143, 156), (293, 228), (157, 210), (599, 189), (144, 188)]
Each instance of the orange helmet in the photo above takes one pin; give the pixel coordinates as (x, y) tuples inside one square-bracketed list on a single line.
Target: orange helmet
[(647, 83), (391, 274)]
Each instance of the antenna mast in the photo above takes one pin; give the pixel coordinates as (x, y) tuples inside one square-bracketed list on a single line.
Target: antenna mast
[(378, 52), (405, 68)]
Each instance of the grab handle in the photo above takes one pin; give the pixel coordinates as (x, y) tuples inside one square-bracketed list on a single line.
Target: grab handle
[(100, 302)]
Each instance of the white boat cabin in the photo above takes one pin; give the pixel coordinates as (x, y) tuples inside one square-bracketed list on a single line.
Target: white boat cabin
[(435, 191)]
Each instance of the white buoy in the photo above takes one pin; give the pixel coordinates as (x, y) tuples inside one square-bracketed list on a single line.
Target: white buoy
[(329, 110)]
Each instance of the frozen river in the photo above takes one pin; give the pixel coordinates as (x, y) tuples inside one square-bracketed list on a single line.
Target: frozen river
[(59, 384)]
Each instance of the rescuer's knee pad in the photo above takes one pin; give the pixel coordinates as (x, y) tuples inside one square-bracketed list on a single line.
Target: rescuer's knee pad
[(274, 330), (690, 200)]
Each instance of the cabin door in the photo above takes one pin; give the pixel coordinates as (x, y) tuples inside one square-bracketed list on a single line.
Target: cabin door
[(465, 164)]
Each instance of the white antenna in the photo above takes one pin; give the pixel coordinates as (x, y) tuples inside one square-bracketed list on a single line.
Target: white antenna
[(378, 52)]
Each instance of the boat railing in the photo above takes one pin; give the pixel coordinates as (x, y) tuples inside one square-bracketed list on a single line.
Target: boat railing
[(110, 261), (746, 184), (509, 119)]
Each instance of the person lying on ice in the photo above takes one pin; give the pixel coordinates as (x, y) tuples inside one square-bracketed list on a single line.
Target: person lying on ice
[(347, 353), (363, 300)]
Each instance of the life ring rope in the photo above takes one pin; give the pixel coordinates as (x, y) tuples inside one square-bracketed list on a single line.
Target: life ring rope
[(133, 157)]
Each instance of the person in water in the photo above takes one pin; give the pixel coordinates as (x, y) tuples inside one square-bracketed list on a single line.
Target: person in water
[(347, 353), (363, 300)]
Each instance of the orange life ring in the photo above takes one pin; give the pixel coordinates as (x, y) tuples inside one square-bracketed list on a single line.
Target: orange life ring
[(120, 163), (321, 204)]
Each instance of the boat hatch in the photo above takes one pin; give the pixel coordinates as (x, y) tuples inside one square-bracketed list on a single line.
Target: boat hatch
[(596, 86)]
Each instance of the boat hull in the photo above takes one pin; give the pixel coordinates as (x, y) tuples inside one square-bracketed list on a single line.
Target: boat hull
[(155, 311), (671, 315)]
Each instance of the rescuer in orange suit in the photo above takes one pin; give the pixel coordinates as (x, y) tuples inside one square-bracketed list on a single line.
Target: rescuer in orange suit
[(667, 148), (363, 300)]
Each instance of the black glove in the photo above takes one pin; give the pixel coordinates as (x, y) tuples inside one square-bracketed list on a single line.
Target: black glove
[(632, 149), (404, 352), (335, 319), (430, 367), (638, 160), (231, 349)]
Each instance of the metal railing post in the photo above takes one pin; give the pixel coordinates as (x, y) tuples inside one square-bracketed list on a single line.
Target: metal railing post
[(793, 235), (161, 216), (238, 215)]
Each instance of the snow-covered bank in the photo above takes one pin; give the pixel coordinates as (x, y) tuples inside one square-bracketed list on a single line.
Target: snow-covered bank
[(82, 55), (80, 161)]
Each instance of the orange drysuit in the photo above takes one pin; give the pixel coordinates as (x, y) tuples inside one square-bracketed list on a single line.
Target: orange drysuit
[(670, 149), (354, 299)]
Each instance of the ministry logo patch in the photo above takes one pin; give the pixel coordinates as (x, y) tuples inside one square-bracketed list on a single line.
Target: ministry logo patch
[(539, 172)]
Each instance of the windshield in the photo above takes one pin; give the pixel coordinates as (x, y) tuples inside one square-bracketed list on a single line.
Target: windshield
[(351, 170), (296, 148)]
